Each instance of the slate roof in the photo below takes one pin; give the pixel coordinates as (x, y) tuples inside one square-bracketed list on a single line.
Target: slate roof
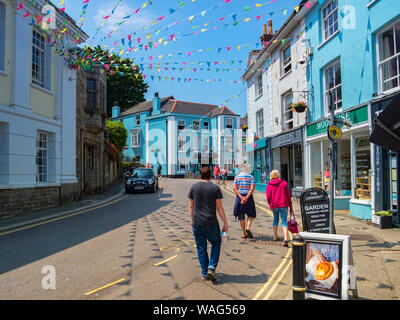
[(144, 106), (170, 105)]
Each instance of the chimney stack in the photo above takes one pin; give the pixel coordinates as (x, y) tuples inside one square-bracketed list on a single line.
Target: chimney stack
[(266, 37)]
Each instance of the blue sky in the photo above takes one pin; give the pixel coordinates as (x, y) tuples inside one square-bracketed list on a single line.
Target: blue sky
[(212, 92)]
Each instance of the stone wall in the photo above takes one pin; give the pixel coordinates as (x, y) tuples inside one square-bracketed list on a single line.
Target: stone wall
[(16, 202)]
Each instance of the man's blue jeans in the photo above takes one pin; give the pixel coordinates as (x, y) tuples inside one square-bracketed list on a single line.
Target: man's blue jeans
[(213, 235)]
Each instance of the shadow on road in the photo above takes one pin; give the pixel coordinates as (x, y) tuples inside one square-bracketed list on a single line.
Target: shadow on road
[(27, 246)]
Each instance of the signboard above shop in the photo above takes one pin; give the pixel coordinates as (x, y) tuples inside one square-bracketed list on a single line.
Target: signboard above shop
[(354, 116)]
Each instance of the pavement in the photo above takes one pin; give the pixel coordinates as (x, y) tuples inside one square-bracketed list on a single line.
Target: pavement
[(376, 252), (31, 218)]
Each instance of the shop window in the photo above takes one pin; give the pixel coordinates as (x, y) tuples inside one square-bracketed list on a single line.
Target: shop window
[(298, 166), (205, 125), (393, 182), (196, 125), (363, 169), (2, 35), (343, 183), (316, 173), (389, 58)]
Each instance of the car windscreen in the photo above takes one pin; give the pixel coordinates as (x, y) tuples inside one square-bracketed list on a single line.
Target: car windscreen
[(142, 174)]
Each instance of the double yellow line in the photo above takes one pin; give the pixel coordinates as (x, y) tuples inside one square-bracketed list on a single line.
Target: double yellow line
[(269, 287)]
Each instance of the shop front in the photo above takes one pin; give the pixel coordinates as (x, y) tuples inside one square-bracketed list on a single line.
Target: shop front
[(258, 155), (353, 189), (287, 157), (387, 164)]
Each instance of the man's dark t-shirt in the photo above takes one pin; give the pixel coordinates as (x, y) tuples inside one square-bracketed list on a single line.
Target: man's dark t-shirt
[(205, 195)]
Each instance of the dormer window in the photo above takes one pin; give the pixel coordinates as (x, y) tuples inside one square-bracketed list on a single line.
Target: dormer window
[(181, 124), (229, 123)]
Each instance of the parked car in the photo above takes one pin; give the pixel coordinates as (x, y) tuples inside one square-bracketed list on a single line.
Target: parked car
[(142, 179)]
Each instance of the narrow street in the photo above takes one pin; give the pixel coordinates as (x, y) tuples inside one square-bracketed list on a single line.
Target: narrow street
[(141, 247)]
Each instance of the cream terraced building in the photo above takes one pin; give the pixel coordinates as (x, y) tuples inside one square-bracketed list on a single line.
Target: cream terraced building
[(37, 112)]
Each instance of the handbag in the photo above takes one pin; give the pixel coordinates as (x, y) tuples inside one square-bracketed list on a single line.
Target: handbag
[(292, 224)]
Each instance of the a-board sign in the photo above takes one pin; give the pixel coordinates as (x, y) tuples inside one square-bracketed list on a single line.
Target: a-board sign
[(329, 273), (314, 204)]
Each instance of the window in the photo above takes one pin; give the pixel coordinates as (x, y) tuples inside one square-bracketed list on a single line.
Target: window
[(286, 61), (363, 168), (206, 144), (333, 83), (135, 138), (38, 54), (394, 182), (138, 120), (91, 94), (229, 123), (196, 143), (389, 58), (287, 100), (181, 124), (330, 23), (181, 143), (182, 164), (41, 157), (90, 157), (205, 125), (228, 144), (259, 86), (260, 123), (196, 125), (2, 35)]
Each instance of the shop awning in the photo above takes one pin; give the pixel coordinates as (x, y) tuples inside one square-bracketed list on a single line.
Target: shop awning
[(386, 131)]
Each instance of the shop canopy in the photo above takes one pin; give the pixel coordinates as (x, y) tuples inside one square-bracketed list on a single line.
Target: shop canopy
[(386, 131)]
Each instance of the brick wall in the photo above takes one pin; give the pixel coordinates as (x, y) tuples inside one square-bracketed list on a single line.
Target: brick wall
[(16, 202)]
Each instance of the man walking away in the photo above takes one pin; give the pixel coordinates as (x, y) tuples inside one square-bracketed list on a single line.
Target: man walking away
[(205, 200), (244, 186)]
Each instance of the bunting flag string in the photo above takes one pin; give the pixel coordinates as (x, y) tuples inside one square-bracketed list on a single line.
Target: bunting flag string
[(171, 11), (203, 28), (82, 16), (105, 19), (187, 80)]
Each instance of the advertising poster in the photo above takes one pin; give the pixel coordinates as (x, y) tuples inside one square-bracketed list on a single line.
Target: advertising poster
[(323, 265)]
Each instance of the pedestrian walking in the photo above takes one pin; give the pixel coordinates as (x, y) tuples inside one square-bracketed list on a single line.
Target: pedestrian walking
[(279, 200), (236, 170), (224, 174), (244, 186), (205, 200), (216, 173)]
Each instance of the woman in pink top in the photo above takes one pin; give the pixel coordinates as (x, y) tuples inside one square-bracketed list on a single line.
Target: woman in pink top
[(279, 200)]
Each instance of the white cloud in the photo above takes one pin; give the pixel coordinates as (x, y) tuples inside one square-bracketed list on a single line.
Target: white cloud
[(135, 22)]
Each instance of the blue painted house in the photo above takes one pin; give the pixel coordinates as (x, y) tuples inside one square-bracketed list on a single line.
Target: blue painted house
[(353, 51), (181, 136)]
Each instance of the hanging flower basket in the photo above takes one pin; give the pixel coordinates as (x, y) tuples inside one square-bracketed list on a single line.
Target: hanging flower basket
[(299, 107)]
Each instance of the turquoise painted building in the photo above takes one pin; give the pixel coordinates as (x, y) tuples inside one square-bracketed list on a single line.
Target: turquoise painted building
[(353, 52), (181, 136)]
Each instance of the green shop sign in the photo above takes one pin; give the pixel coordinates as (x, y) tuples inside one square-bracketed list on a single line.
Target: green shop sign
[(356, 116)]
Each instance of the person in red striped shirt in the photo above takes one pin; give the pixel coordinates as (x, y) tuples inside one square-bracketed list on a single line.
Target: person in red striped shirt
[(244, 186)]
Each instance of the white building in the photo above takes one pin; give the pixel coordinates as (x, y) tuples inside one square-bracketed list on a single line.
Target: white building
[(276, 80), (37, 109)]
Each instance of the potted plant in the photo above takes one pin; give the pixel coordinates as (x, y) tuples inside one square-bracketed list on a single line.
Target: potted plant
[(299, 107), (383, 219)]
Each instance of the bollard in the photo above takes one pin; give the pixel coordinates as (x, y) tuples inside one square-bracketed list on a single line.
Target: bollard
[(298, 285)]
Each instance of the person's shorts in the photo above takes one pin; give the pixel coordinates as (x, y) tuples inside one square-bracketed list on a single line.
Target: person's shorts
[(223, 177), (216, 176), (241, 210)]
